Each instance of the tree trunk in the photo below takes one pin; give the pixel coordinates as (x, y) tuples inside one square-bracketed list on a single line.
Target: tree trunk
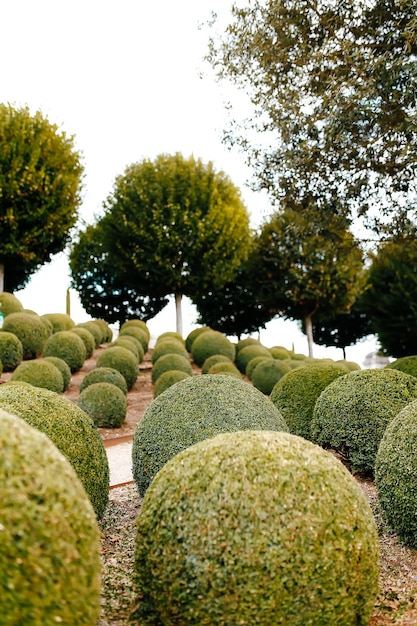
[(309, 332), (344, 352), (1, 277), (178, 311)]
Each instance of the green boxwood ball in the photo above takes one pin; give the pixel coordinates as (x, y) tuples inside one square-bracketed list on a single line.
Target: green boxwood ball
[(138, 324), (94, 329), (406, 364), (211, 360), (209, 343), (132, 344), (31, 331), (267, 373), (248, 341), (122, 360), (67, 346), (194, 409), (104, 403), (167, 379), (250, 352), (11, 351), (169, 345), (352, 413), (168, 362), (296, 393), (104, 375), (138, 333), (49, 539), (63, 368), (70, 429), (9, 303), (171, 334), (106, 331), (396, 474), (255, 528), (88, 340), (39, 373), (253, 363), (59, 321), (279, 352), (227, 368), (192, 335)]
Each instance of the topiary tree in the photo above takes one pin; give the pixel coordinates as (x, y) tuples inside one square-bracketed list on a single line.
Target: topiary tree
[(267, 373), (352, 413), (59, 321), (50, 539), (70, 429), (396, 474), (209, 343), (168, 346), (11, 351), (171, 361), (39, 373), (122, 360), (192, 410), (104, 375), (105, 403), (406, 364), (31, 331), (248, 352), (63, 368), (67, 346), (167, 379), (238, 526), (296, 393)]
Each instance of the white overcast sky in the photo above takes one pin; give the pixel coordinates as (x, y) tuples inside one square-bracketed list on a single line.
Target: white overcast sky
[(123, 77)]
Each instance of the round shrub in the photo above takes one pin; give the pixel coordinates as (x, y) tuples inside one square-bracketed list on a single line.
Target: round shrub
[(11, 351), (50, 539), (104, 375), (168, 362), (256, 528), (88, 340), (132, 344), (63, 368), (279, 352), (169, 346), (67, 346), (267, 373), (296, 393), (209, 343), (106, 331), (122, 360), (351, 413), (189, 340), (9, 303), (167, 379), (250, 352), (396, 474), (39, 373), (59, 321), (94, 329), (248, 341), (194, 409), (31, 331), (212, 360), (104, 403), (406, 364), (70, 429), (228, 368), (137, 333), (253, 363), (350, 366), (138, 324), (171, 334)]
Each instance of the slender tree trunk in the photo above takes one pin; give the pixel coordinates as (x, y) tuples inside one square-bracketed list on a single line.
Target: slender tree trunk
[(309, 332), (1, 277), (344, 352), (68, 303), (178, 311)]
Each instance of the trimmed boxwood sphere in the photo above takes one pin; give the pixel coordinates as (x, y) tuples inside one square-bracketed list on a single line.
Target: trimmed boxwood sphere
[(168, 362), (249, 352), (39, 373), (132, 344), (267, 373), (104, 375), (211, 360), (59, 321), (88, 340), (31, 331), (253, 363), (138, 324), (50, 539), (70, 429), (279, 352), (67, 346), (122, 360), (407, 364), (194, 409), (209, 343), (227, 368), (192, 335), (11, 351), (138, 333), (9, 303), (167, 379), (63, 368), (396, 474), (248, 341), (169, 345), (352, 413), (170, 334), (106, 331), (255, 528), (295, 395), (104, 403), (94, 329)]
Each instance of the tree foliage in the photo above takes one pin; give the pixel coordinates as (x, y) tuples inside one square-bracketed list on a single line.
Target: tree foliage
[(40, 187), (333, 92)]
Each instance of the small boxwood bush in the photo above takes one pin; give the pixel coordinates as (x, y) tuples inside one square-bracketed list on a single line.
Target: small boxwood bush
[(255, 528), (209, 343), (70, 429), (88, 340), (50, 566), (352, 413), (279, 352), (104, 403), (194, 409), (9, 303), (170, 334), (11, 351), (59, 321), (248, 341), (169, 346), (192, 335), (104, 375), (406, 364), (122, 360), (67, 346), (132, 344), (106, 331), (39, 373), (267, 373), (211, 360), (63, 368), (296, 393), (94, 329), (350, 366), (139, 334), (168, 362), (138, 324), (227, 368), (250, 352), (253, 363), (31, 331), (167, 379), (396, 474)]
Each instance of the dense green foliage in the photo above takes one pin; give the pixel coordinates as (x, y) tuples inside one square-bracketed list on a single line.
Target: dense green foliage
[(407, 364), (254, 362), (67, 346), (31, 331), (50, 566), (70, 429), (193, 334), (211, 360), (396, 474), (9, 303), (94, 329), (209, 343), (170, 361), (40, 182), (104, 375), (39, 373), (168, 346), (11, 351), (167, 379), (249, 352), (122, 360), (352, 413), (87, 338), (138, 333), (194, 409), (132, 344), (59, 321), (255, 528), (63, 367), (105, 403), (267, 373), (228, 368), (139, 323)]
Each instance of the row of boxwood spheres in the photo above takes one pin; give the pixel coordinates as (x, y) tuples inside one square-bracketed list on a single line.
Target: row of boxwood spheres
[(170, 361)]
